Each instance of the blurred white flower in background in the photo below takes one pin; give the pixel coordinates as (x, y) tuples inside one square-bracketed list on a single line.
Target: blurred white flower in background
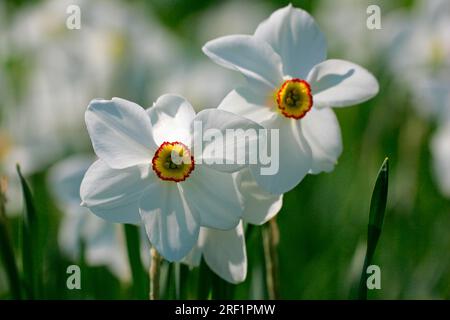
[(230, 17), (52, 73), (440, 149), (346, 21), (199, 80), (117, 49), (195, 77), (420, 61), (420, 56), (103, 241)]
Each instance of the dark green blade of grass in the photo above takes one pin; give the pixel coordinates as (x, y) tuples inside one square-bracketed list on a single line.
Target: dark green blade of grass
[(140, 279), (221, 289), (376, 217), (7, 250), (211, 286), (31, 251), (177, 275), (204, 289), (188, 282)]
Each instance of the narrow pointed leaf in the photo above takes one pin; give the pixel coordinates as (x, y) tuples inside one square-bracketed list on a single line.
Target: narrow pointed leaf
[(30, 241), (379, 197), (7, 250), (376, 217)]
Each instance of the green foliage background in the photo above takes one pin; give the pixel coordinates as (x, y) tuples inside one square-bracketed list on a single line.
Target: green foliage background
[(324, 220)]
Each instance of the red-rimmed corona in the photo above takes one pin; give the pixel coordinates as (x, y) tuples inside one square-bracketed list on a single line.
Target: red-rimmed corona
[(173, 161), (294, 98)]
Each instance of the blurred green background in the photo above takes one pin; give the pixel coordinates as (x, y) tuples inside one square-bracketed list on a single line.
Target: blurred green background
[(139, 50)]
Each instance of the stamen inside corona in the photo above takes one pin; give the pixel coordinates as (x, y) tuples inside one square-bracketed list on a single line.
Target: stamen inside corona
[(173, 162), (294, 98)]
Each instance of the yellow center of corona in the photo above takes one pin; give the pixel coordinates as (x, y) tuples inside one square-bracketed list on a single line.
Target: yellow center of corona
[(294, 98), (173, 162)]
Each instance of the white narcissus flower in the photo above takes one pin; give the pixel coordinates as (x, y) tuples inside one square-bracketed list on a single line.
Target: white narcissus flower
[(291, 87), (440, 150), (136, 179), (225, 251)]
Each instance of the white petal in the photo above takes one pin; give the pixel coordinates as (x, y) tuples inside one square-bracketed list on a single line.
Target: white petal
[(339, 83), (259, 205), (170, 224), (113, 194), (171, 118), (224, 252), (228, 154), (214, 196), (295, 36), (194, 257), (323, 133), (295, 157), (255, 59), (244, 102), (440, 149), (121, 132)]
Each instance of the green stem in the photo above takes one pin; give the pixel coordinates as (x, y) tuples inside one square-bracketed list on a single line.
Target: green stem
[(177, 272), (270, 235), (154, 274)]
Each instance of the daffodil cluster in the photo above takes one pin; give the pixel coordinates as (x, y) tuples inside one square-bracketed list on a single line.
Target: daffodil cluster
[(149, 171)]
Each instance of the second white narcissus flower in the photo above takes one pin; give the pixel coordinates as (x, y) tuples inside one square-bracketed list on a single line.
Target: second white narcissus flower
[(291, 86), (136, 179)]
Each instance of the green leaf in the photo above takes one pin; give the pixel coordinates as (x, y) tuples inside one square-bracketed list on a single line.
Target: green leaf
[(140, 279), (204, 290), (177, 273), (376, 217), (31, 250), (6, 248), (379, 197)]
